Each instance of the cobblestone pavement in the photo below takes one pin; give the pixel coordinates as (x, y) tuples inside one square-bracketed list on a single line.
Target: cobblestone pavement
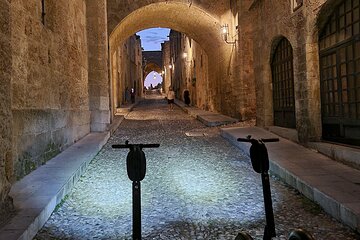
[(198, 186)]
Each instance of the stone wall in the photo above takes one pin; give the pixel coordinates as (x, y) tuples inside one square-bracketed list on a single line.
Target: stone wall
[(6, 167), (99, 87), (274, 20), (138, 61), (191, 70), (49, 80), (126, 70), (198, 81), (165, 48), (244, 61), (233, 91)]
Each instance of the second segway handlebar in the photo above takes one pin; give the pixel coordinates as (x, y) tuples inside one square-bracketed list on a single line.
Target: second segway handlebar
[(249, 139)]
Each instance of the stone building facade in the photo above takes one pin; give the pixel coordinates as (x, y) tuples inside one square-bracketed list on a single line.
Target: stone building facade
[(46, 84), (290, 64), (6, 168), (165, 49), (314, 88), (187, 65), (49, 79), (126, 68), (54, 82)]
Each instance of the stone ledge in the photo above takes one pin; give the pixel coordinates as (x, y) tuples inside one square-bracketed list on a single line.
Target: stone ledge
[(344, 154), (287, 133), (37, 194), (210, 119)]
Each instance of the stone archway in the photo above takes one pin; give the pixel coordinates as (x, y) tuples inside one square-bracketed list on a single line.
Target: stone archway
[(201, 23), (149, 67), (194, 21), (152, 61)]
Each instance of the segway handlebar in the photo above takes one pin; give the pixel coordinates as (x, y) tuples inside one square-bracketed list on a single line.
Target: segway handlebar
[(141, 146), (249, 139), (132, 145)]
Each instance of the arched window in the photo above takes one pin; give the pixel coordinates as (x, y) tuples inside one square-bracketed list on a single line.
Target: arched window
[(283, 85), (43, 12), (339, 43)]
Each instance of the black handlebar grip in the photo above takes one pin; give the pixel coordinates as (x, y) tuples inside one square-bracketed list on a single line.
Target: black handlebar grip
[(244, 140), (154, 145), (270, 139), (261, 139), (120, 146)]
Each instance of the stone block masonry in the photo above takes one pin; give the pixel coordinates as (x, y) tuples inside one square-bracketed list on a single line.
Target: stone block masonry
[(5, 112), (49, 81), (98, 64)]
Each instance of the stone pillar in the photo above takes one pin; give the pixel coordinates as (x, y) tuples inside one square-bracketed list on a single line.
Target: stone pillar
[(6, 161), (99, 88)]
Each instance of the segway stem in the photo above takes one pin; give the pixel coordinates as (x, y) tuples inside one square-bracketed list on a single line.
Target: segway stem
[(260, 163), (136, 170), (136, 210), (269, 231)]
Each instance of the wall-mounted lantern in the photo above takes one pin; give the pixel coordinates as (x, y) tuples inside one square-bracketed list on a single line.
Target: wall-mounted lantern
[(185, 57), (225, 33)]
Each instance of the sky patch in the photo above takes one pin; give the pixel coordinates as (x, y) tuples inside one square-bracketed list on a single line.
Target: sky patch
[(152, 38)]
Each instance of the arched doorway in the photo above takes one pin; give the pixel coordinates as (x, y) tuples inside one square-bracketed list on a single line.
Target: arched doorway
[(339, 44), (283, 85)]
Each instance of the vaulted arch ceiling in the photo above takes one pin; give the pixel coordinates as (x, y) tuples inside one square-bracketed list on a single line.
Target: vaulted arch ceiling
[(194, 21)]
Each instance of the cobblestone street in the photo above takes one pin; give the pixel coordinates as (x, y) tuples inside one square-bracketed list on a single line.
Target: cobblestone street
[(197, 186)]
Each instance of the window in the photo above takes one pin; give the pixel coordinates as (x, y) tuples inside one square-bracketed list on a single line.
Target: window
[(43, 12), (339, 44), (283, 85)]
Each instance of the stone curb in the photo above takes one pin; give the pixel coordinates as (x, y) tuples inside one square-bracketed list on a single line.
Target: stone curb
[(209, 119), (37, 194), (34, 207)]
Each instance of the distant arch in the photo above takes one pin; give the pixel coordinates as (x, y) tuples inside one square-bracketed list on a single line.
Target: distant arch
[(152, 61), (150, 67)]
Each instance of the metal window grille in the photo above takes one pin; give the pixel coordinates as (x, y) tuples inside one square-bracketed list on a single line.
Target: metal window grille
[(339, 44), (43, 12), (283, 85)]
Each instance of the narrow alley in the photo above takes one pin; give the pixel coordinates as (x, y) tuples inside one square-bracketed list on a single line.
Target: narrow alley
[(197, 186)]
